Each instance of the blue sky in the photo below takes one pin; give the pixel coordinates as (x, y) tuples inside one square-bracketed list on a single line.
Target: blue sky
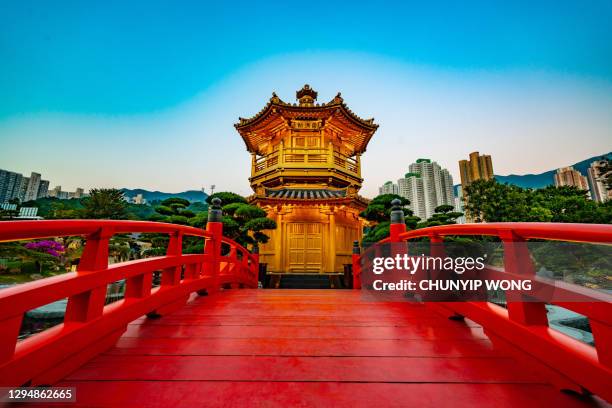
[(144, 94)]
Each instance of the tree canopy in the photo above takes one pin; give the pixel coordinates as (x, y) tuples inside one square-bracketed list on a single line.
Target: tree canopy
[(490, 201), (105, 203), (378, 213), (243, 222)]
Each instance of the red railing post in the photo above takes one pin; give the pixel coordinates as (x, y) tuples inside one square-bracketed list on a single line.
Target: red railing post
[(356, 265), (213, 245), (172, 276), (90, 326), (517, 260), (398, 223), (255, 264), (243, 274), (602, 335), (9, 331), (89, 304), (233, 267)]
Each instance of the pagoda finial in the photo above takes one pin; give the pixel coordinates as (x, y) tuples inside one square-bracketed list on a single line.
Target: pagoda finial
[(306, 96)]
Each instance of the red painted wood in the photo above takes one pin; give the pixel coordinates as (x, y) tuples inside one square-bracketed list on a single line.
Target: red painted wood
[(391, 361), (322, 369), (287, 348), (421, 331), (89, 323), (574, 365), (164, 394)]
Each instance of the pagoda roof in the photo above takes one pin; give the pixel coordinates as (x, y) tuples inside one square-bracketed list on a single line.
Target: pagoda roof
[(335, 110), (307, 196)]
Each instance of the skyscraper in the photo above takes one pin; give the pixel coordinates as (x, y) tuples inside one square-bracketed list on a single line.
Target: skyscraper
[(10, 185), (459, 207), (411, 187), (567, 176), (43, 189), (14, 185), (476, 168), (388, 188), (599, 191), (31, 192), (427, 186)]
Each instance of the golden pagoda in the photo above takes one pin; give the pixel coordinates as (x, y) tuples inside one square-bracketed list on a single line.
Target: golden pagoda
[(306, 173)]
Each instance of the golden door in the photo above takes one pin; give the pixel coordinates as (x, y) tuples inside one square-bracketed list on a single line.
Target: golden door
[(305, 252)]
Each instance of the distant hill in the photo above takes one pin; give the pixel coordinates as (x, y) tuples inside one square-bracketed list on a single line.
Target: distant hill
[(546, 178), (191, 195)]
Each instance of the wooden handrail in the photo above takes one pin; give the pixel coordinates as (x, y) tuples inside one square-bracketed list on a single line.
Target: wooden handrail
[(89, 325), (522, 327)]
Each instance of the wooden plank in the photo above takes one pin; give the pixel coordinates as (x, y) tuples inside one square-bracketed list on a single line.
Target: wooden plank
[(305, 332), (271, 320), (306, 347), (162, 394), (266, 368)]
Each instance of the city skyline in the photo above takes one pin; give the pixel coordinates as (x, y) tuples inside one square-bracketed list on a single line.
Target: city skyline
[(105, 108), (388, 187)]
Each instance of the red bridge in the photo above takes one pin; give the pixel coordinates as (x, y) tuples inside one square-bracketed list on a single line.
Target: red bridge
[(208, 337)]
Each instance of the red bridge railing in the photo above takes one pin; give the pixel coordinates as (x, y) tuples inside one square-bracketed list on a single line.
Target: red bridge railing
[(89, 325), (522, 328)]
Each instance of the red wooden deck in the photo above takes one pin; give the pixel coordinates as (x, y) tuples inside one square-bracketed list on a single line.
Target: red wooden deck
[(308, 348)]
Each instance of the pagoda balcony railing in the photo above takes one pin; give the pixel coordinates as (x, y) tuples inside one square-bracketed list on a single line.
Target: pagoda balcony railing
[(90, 324), (303, 158)]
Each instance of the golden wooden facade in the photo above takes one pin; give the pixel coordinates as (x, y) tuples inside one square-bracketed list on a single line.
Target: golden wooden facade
[(306, 174)]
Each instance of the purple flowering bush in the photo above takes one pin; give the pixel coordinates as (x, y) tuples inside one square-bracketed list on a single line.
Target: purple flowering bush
[(47, 246)]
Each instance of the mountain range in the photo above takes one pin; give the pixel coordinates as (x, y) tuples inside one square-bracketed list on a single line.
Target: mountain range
[(526, 180), (547, 178), (191, 195)]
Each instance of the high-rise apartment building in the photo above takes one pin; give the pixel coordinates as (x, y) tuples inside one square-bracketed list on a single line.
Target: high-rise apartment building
[(57, 192), (14, 185), (411, 187), (388, 188), (599, 191), (426, 186), (478, 167), (437, 186), (459, 205), (10, 185), (43, 189), (78, 193), (568, 176), (31, 192)]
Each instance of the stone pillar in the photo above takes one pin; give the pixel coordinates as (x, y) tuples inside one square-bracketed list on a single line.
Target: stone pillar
[(398, 224)]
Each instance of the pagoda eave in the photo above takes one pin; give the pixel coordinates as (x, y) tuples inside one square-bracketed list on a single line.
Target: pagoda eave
[(317, 111)]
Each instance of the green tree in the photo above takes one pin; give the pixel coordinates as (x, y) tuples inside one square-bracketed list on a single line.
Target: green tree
[(378, 213), (490, 201), (242, 222), (173, 210), (226, 198), (61, 210), (105, 203), (443, 215)]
